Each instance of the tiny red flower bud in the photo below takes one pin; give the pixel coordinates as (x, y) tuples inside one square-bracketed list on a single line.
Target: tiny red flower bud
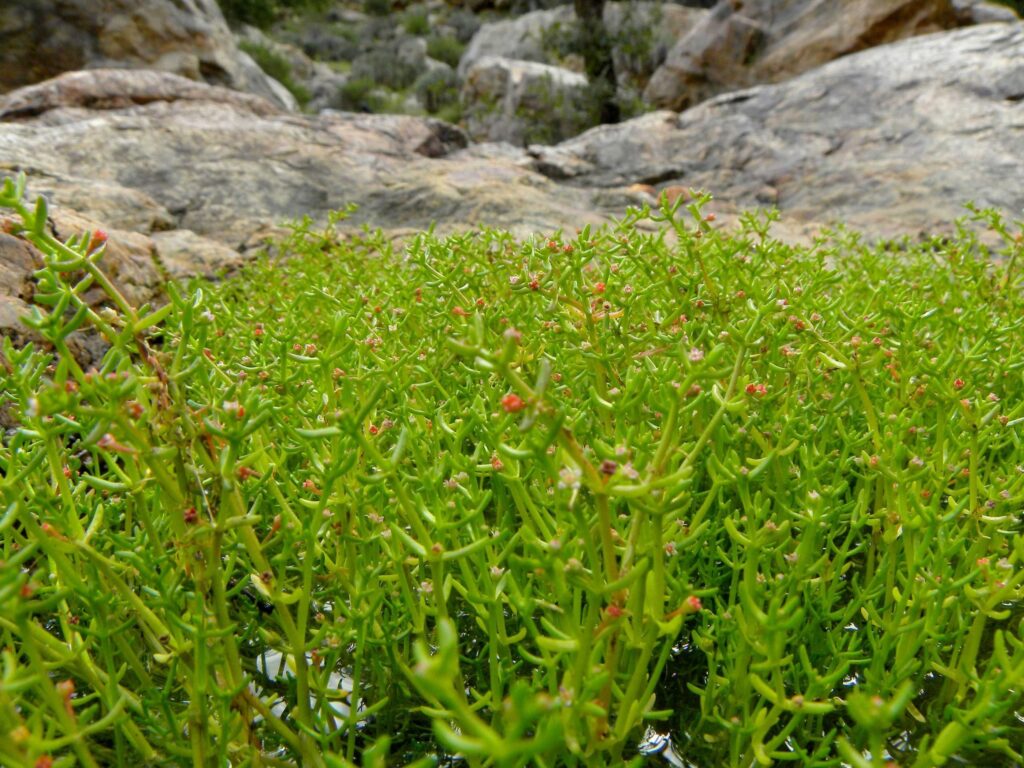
[(613, 611), (512, 403), (373, 429), (459, 312), (958, 384), (99, 238), (191, 516), (693, 604), (608, 467), (496, 463), (599, 287)]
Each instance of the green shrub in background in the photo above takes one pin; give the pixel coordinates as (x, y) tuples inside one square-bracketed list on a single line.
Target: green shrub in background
[(437, 90), (416, 20), (445, 48), (385, 66), (361, 94), (277, 67), (519, 501), (263, 13)]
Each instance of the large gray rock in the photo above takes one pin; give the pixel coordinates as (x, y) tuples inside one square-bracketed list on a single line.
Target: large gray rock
[(523, 102), (188, 177), (983, 12), (746, 42), (226, 167), (647, 27), (892, 140), (43, 38)]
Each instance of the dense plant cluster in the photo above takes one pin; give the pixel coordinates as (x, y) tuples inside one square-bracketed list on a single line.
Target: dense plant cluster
[(520, 501), (263, 13)]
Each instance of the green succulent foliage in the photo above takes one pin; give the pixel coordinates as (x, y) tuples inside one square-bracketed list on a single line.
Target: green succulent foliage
[(528, 496)]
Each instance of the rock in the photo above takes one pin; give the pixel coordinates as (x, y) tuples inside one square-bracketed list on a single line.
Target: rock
[(394, 135), (225, 171), (518, 38), (43, 38), (524, 102), (745, 42), (112, 89), (638, 30), (18, 260), (980, 12), (116, 206), (892, 140), (184, 254)]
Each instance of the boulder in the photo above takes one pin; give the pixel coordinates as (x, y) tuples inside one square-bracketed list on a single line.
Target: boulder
[(94, 90), (746, 42), (892, 140), (523, 102), (982, 12), (639, 30), (43, 38), (225, 168)]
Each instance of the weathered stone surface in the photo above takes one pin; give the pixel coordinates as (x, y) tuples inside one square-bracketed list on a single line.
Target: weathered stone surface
[(741, 43), (225, 172), (40, 39), (184, 254), (525, 37), (891, 140), (982, 12), (522, 102), (395, 135), (18, 260), (110, 89)]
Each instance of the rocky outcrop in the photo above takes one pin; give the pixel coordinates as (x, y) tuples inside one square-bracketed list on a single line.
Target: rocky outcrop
[(983, 12), (745, 42), (534, 36), (892, 140), (40, 39), (187, 178), (74, 94), (523, 102), (225, 167)]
